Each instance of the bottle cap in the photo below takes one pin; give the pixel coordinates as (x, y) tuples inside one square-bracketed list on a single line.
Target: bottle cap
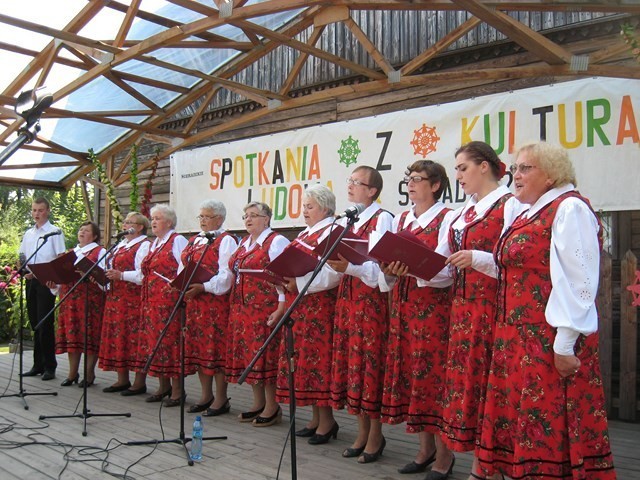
[(198, 418)]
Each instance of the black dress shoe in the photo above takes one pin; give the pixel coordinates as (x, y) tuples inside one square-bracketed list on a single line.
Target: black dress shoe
[(70, 381), (86, 383), (116, 388), (319, 439), (414, 467), (373, 457), (48, 375), (433, 475), (136, 391), (214, 412), (249, 416), (200, 407), (306, 432), (353, 452), (32, 373), (268, 421), (174, 402), (157, 397)]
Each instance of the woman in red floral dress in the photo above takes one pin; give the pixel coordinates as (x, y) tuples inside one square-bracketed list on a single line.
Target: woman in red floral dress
[(313, 324), (71, 316), (121, 324), (474, 230), (256, 305), (361, 324), (544, 415), (158, 300), (419, 322), (208, 306)]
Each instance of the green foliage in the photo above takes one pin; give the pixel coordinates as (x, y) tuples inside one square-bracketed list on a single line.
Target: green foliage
[(67, 213), (111, 193)]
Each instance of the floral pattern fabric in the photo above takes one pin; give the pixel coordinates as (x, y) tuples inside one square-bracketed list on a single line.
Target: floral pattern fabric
[(71, 315), (158, 300), (121, 325), (252, 301), (417, 347), (359, 342), (207, 315), (470, 333), (313, 340), (538, 425)]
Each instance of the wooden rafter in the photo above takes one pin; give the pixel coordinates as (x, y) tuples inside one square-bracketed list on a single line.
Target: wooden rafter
[(368, 46), (198, 113), (129, 17), (518, 32), (300, 61)]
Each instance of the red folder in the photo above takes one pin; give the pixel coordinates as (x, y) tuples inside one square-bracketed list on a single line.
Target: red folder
[(265, 275), (422, 261), (352, 248), (293, 262), (97, 274), (202, 275), (59, 271)]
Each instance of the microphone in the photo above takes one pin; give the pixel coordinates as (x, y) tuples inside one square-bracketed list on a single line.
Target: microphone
[(124, 232), (353, 211), (51, 234), (210, 236)]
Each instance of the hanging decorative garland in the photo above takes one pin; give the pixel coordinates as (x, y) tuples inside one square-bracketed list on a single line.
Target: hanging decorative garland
[(110, 190), (145, 207), (134, 196), (628, 33)]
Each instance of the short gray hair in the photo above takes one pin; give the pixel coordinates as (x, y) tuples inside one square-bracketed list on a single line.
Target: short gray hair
[(216, 206), (263, 208), (325, 197), (167, 212)]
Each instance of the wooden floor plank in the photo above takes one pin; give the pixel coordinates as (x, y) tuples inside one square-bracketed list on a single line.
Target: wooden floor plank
[(248, 453)]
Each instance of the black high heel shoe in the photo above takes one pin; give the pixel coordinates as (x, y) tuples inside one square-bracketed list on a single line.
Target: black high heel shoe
[(86, 382), (414, 467), (70, 381), (306, 432), (353, 452), (319, 439), (372, 457), (433, 475), (214, 412)]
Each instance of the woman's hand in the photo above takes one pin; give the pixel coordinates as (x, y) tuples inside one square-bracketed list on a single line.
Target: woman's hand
[(291, 285), (51, 285), (194, 290), (566, 364), (277, 315), (339, 266), (113, 274), (461, 259), (397, 269)]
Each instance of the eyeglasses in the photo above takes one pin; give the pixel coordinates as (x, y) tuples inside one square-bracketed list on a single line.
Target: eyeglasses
[(252, 216), (206, 217), (414, 178), (522, 168), (128, 222), (357, 183)]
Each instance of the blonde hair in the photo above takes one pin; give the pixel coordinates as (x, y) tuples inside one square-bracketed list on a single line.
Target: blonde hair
[(140, 220), (553, 160)]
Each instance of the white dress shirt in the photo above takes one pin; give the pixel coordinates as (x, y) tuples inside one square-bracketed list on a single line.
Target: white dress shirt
[(369, 272), (134, 276), (53, 246), (328, 278)]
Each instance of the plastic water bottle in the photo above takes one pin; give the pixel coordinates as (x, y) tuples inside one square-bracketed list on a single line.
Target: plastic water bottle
[(196, 439)]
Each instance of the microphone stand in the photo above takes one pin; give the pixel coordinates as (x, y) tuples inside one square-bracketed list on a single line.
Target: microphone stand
[(182, 439), (85, 411), (287, 322), (21, 271)]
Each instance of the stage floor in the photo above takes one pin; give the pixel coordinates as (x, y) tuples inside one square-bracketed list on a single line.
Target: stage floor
[(248, 453)]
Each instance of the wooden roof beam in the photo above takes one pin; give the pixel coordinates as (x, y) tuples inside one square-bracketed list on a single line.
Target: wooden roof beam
[(316, 52), (195, 118), (439, 46), (531, 40), (129, 17), (75, 25), (369, 46), (300, 61)]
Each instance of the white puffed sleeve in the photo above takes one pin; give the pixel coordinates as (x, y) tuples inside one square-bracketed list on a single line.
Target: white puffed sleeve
[(575, 267), (221, 283)]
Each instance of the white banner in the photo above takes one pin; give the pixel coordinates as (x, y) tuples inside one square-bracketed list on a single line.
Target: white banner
[(596, 119)]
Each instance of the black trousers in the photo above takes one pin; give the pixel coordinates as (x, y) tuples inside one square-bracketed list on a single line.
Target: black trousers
[(40, 301)]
